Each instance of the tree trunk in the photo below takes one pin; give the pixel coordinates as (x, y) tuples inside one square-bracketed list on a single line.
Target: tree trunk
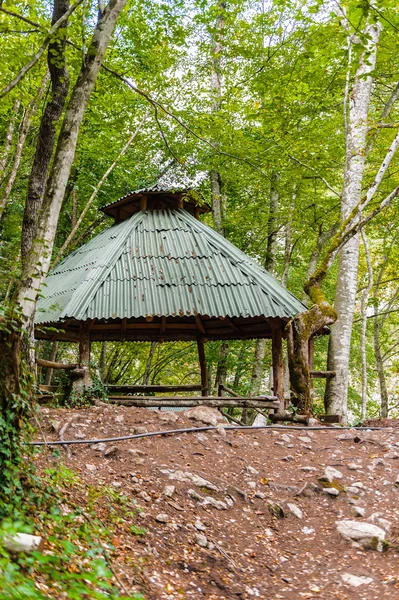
[(8, 142), (22, 135), (148, 365), (239, 368), (53, 358), (56, 61), (221, 371), (270, 259), (258, 367), (37, 262), (363, 338), (336, 393), (216, 90), (16, 326), (380, 368), (103, 363), (288, 238)]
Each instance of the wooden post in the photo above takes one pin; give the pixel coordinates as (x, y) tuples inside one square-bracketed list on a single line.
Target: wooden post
[(278, 365), (204, 370), (83, 380)]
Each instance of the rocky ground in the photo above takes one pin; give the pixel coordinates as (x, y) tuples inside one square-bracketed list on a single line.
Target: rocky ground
[(244, 514)]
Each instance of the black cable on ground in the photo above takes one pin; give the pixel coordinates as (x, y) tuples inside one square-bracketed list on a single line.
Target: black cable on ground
[(198, 429)]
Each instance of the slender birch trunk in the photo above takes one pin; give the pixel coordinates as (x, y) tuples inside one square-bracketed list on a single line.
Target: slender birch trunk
[(380, 369), (379, 361), (336, 393), (216, 90), (270, 259), (363, 338), (22, 135), (8, 142), (215, 177), (288, 238)]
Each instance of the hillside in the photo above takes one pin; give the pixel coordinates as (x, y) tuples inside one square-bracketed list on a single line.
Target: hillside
[(238, 514)]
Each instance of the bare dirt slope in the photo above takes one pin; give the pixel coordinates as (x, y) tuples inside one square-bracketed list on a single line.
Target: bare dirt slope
[(225, 537)]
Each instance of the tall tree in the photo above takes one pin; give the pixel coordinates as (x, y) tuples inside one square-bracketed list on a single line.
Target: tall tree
[(16, 325), (357, 126)]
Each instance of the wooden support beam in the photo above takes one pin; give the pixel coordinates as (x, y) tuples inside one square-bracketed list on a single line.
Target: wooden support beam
[(55, 365), (152, 401), (143, 203), (203, 367), (199, 324), (232, 325), (230, 418), (322, 374), (127, 389), (223, 388), (197, 212), (277, 363), (163, 325), (180, 202)]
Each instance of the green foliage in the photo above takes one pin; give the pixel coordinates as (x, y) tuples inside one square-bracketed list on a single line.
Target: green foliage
[(15, 469), (77, 561)]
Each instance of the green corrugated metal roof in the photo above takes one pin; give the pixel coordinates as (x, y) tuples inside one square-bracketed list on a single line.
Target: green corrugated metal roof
[(161, 263)]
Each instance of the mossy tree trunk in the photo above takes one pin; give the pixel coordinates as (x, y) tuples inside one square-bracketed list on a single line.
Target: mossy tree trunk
[(17, 320)]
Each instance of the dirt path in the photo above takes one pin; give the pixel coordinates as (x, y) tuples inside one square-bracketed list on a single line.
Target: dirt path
[(234, 535)]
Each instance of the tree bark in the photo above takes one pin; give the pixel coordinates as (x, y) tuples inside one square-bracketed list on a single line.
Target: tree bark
[(148, 365), (53, 358), (22, 135), (380, 368), (103, 362), (221, 371), (363, 338), (37, 262), (8, 142), (270, 259), (16, 324), (216, 90), (336, 393), (56, 61)]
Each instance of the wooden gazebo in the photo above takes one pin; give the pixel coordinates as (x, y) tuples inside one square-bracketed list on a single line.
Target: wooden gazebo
[(160, 274)]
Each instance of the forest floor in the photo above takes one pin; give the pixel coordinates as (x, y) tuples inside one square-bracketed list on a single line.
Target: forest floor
[(218, 538)]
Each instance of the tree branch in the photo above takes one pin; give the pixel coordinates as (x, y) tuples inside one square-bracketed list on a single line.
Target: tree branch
[(21, 17), (314, 171), (157, 105), (95, 192), (39, 53)]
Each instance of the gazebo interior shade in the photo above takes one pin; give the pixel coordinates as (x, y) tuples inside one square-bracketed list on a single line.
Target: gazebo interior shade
[(161, 274)]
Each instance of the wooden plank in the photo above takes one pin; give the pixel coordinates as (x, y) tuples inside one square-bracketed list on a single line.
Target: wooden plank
[(155, 388), (330, 418), (322, 374), (214, 401), (55, 365)]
